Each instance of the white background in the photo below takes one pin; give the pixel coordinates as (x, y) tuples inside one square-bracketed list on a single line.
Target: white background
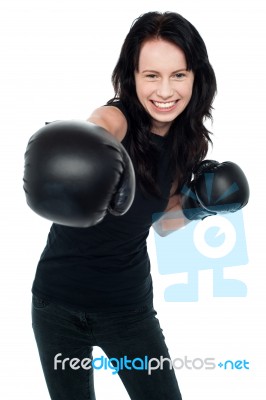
[(57, 57)]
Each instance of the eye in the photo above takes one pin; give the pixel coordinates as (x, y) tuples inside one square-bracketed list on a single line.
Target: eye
[(180, 75), (151, 76)]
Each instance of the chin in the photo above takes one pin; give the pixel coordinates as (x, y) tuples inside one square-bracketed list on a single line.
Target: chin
[(165, 118)]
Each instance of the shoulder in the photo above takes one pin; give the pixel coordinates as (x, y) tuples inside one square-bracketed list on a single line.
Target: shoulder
[(112, 119)]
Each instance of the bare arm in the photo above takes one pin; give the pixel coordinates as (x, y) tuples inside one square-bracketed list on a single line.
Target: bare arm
[(172, 218), (111, 119)]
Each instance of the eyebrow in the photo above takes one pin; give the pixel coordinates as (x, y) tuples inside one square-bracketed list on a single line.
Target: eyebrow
[(157, 72)]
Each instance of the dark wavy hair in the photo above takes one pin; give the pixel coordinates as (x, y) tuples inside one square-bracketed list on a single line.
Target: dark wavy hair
[(188, 138)]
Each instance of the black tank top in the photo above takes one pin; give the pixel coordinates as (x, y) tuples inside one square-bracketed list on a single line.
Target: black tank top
[(106, 266)]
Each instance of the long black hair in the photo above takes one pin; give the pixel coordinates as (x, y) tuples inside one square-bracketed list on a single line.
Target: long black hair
[(188, 137)]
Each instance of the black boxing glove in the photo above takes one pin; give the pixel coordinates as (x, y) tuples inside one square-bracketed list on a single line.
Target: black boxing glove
[(216, 188), (75, 172)]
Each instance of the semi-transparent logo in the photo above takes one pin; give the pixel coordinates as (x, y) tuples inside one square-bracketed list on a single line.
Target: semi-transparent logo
[(215, 243)]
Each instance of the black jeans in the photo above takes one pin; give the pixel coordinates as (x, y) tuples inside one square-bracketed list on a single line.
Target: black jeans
[(65, 340)]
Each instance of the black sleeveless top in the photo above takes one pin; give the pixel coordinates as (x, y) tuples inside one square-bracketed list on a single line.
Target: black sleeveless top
[(106, 266)]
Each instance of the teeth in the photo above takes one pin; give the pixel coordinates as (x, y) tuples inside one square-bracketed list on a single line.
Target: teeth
[(164, 105)]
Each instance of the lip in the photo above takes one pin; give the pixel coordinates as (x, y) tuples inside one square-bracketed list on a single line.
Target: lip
[(166, 109)]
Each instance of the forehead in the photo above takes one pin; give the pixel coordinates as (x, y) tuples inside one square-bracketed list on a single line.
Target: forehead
[(161, 53)]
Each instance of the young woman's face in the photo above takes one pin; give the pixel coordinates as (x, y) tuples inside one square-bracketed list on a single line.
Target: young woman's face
[(164, 86)]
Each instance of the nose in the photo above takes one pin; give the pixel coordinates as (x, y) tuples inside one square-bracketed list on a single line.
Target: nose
[(165, 89)]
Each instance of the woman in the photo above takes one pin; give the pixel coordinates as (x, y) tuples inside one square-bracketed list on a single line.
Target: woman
[(93, 285)]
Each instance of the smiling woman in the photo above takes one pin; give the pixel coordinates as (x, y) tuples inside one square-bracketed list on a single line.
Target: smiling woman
[(166, 84), (93, 284), (163, 83)]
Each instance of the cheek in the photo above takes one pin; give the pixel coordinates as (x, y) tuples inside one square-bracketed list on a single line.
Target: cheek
[(139, 88), (187, 92), (190, 93), (142, 92)]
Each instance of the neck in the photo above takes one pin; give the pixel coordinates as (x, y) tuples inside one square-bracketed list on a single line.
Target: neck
[(160, 129)]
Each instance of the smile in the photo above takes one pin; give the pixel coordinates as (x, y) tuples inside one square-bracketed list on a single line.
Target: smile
[(164, 106)]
